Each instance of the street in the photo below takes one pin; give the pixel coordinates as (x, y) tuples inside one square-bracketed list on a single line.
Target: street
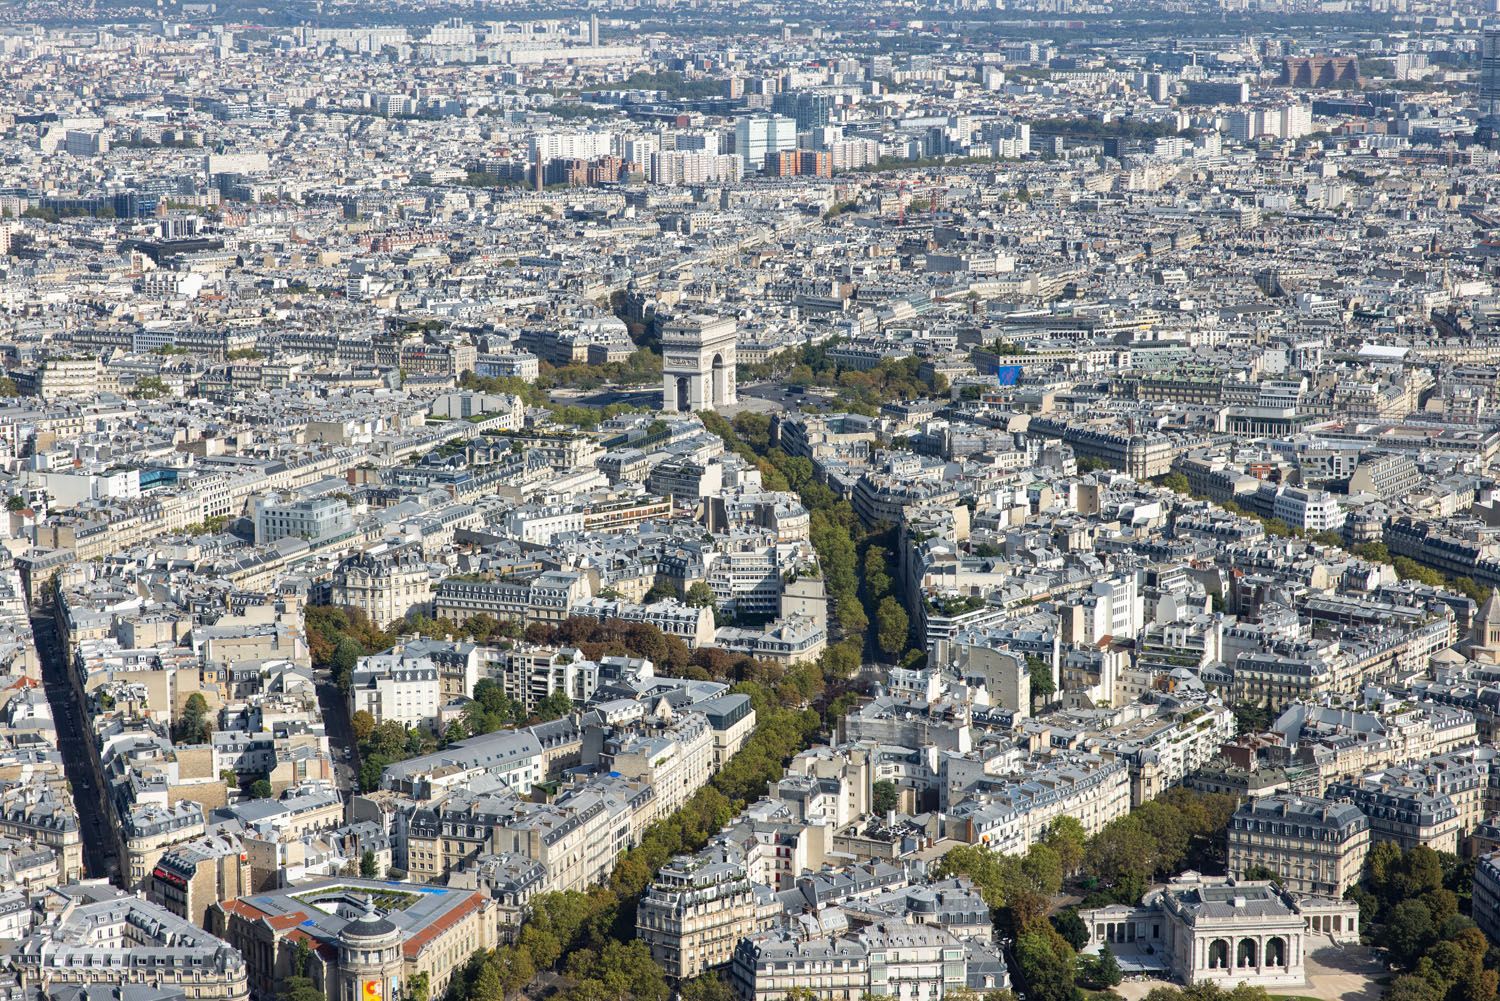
[(102, 849), (336, 723), (766, 397)]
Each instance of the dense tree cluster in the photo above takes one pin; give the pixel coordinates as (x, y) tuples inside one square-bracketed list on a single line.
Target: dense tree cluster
[(1209, 991), (382, 744), (1179, 829), (573, 376), (643, 366), (596, 638), (337, 636), (1157, 838), (493, 710), (530, 394), (1410, 903), (483, 628), (860, 392)]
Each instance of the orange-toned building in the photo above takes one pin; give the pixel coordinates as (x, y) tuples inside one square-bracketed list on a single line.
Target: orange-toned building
[(366, 939), (799, 163)]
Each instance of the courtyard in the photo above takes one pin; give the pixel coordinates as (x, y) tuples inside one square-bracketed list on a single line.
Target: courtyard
[(1334, 973)]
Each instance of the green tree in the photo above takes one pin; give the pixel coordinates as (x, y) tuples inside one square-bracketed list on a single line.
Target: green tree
[(346, 655), (1251, 718), (300, 988), (1045, 963), (1043, 868), (1121, 853), (660, 591), (487, 986), (709, 987), (362, 724), (892, 626), (877, 576), (981, 866), (301, 958), (1408, 931), (367, 865), (1042, 685), (554, 706), (754, 430), (1065, 836), (1071, 927), (371, 767), (1413, 988), (14, 503), (1177, 483), (885, 797), (1107, 971), (700, 595), (148, 387), (1409, 569), (259, 789), (192, 726)]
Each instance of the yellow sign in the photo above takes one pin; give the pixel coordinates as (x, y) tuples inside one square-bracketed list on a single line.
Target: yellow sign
[(373, 990)]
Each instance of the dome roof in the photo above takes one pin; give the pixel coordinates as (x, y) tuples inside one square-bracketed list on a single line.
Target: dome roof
[(369, 925)]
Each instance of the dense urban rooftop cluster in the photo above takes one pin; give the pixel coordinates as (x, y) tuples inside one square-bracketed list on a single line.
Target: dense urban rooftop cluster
[(939, 500)]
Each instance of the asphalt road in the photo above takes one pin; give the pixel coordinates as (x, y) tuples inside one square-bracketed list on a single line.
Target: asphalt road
[(609, 397), (340, 735), (102, 849), (772, 392)]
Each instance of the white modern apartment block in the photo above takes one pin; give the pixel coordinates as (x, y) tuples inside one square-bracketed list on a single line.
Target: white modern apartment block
[(1311, 510), (757, 137), (394, 688)]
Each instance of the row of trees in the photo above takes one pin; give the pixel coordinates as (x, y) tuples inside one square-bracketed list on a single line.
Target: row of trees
[(483, 628), (643, 366), (838, 537), (589, 937), (1409, 569), (1208, 991)]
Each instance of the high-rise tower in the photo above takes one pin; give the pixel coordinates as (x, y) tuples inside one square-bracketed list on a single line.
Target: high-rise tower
[(1488, 133)]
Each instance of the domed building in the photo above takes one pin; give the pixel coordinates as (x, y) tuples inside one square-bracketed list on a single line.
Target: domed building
[(370, 963), (356, 939)]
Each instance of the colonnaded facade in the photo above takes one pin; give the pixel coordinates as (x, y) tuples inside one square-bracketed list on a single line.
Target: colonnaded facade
[(1213, 928)]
